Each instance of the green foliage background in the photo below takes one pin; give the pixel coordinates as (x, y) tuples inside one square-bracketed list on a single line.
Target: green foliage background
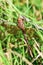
[(12, 43)]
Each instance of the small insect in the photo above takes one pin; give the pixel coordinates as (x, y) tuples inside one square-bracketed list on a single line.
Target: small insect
[(21, 24)]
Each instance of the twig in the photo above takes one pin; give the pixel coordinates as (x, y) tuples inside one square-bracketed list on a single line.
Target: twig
[(35, 58)]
